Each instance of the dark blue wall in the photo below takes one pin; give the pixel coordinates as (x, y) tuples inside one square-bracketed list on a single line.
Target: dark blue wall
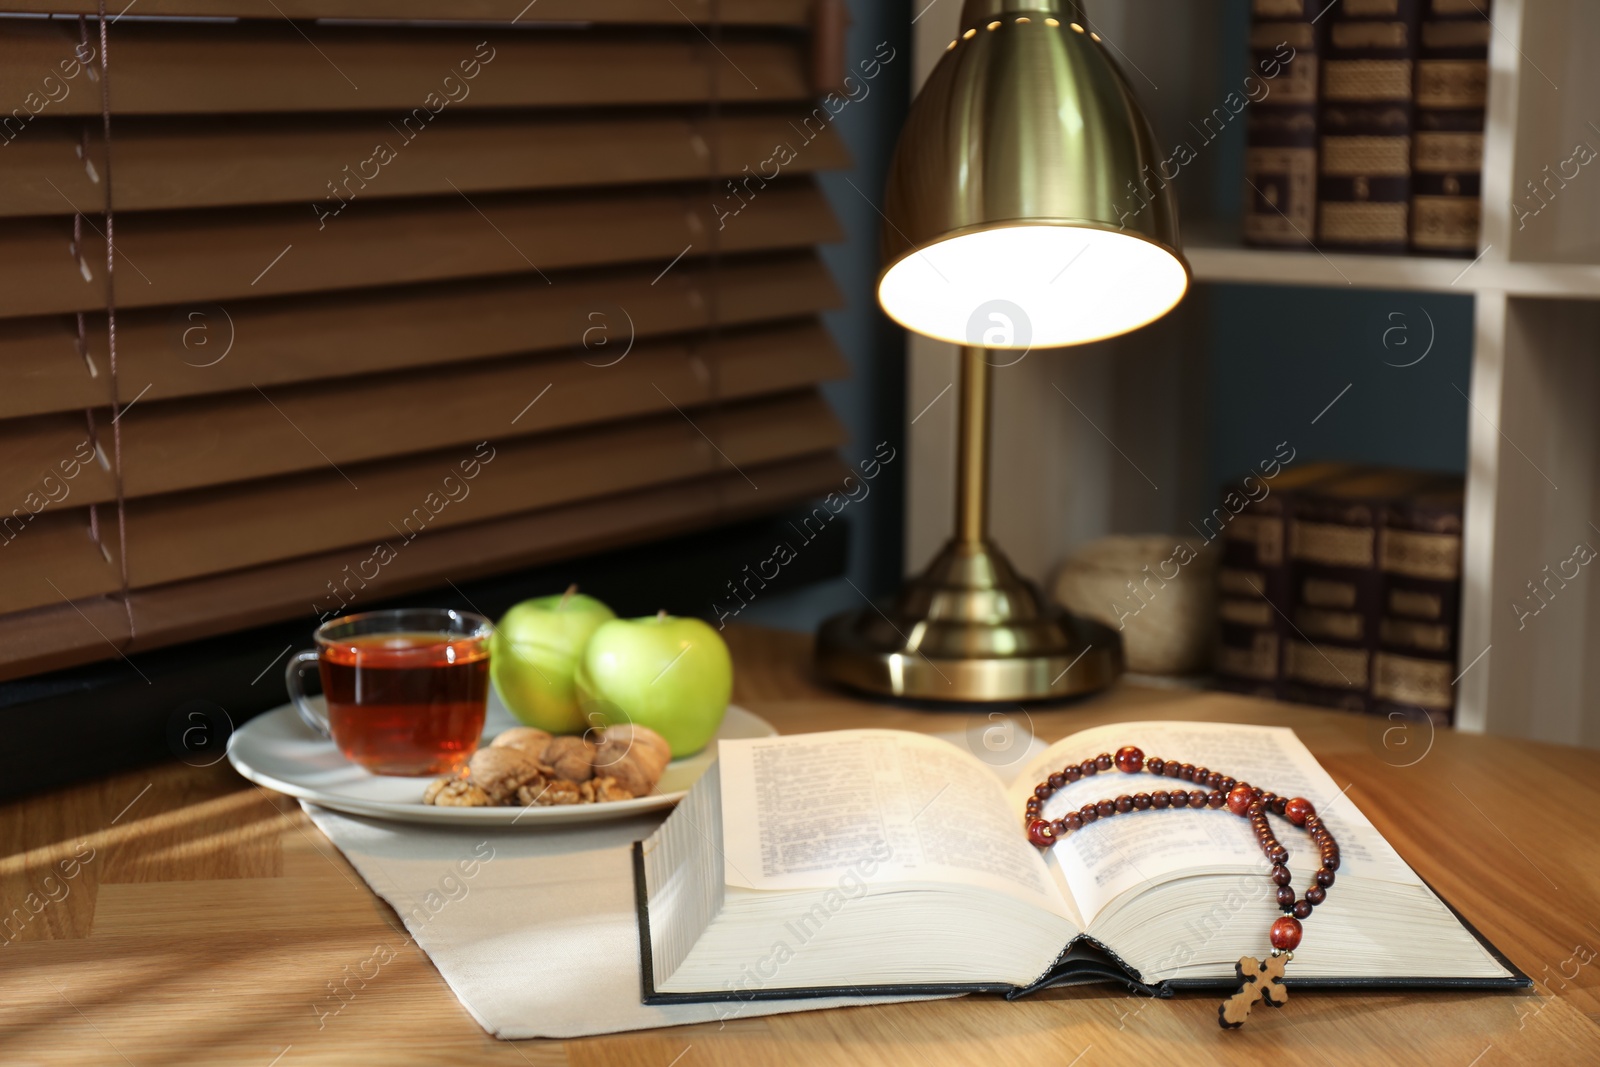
[(1279, 356)]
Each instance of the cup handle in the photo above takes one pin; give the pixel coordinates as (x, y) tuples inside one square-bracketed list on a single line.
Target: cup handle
[(292, 675)]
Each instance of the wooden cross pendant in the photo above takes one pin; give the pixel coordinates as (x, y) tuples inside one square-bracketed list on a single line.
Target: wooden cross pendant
[(1262, 981)]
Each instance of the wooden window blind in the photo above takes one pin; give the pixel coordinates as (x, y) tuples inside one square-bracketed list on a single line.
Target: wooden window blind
[(398, 292)]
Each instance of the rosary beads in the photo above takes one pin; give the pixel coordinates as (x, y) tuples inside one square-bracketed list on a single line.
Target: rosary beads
[(1261, 980)]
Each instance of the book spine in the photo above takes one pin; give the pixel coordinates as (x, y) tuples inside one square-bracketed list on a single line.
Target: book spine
[(1419, 557), (1366, 121), (1281, 129), (1335, 595), (1452, 81), (1252, 589)]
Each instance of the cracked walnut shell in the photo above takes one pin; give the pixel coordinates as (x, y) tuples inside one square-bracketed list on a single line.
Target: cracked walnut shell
[(525, 738), (456, 793), (500, 772)]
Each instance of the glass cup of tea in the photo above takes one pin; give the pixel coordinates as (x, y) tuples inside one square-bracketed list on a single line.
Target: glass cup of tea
[(405, 689)]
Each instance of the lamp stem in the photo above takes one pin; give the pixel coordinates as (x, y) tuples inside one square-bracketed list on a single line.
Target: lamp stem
[(972, 448)]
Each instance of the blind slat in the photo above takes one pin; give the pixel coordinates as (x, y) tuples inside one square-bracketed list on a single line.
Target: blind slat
[(161, 69), (267, 343), (792, 13), (169, 164), (190, 444), (49, 556), (189, 535), (51, 462), (225, 255), (60, 635)]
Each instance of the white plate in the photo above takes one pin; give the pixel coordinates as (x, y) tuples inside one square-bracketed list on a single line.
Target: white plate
[(278, 751)]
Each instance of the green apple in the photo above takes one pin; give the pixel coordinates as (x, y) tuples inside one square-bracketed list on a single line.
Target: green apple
[(669, 674), (534, 653)]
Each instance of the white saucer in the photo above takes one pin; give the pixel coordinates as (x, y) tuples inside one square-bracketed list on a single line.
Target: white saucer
[(279, 751)]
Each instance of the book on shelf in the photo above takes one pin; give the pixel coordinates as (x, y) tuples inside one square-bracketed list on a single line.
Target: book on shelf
[(1341, 587), (1337, 586), (878, 861), (1365, 121), (1281, 127), (1452, 83), (1254, 595), (1419, 557)]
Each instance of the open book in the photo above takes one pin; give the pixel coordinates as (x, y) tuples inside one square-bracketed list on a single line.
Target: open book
[(878, 860)]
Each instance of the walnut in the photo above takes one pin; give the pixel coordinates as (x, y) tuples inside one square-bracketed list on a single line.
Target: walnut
[(636, 756), (572, 758), (499, 772), (525, 738), (547, 794), (601, 790), (456, 793)]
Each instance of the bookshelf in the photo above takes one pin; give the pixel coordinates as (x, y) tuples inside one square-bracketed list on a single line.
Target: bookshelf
[(1215, 255), (1123, 456)]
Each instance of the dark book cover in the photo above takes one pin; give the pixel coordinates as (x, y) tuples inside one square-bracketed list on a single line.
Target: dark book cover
[(1337, 584), (1365, 125), (1254, 596), (1419, 557), (1452, 81), (1280, 167)]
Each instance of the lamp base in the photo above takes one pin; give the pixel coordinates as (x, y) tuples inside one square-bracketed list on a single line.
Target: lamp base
[(969, 628)]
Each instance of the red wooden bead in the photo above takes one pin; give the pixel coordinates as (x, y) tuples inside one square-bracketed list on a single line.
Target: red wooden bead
[(1039, 833), (1298, 809), (1286, 933), (1129, 760), (1240, 799)]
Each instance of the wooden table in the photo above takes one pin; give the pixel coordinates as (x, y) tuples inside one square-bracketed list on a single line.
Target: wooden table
[(211, 916)]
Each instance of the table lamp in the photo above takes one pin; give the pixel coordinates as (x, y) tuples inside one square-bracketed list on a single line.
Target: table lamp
[(1025, 209)]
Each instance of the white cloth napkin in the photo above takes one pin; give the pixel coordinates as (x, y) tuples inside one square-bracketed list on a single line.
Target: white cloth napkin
[(535, 931)]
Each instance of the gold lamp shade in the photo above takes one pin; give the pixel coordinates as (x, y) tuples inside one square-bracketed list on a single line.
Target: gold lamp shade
[(1025, 209), (1025, 204)]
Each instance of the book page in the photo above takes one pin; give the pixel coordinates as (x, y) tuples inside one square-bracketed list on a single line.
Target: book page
[(800, 811), (1127, 852)]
